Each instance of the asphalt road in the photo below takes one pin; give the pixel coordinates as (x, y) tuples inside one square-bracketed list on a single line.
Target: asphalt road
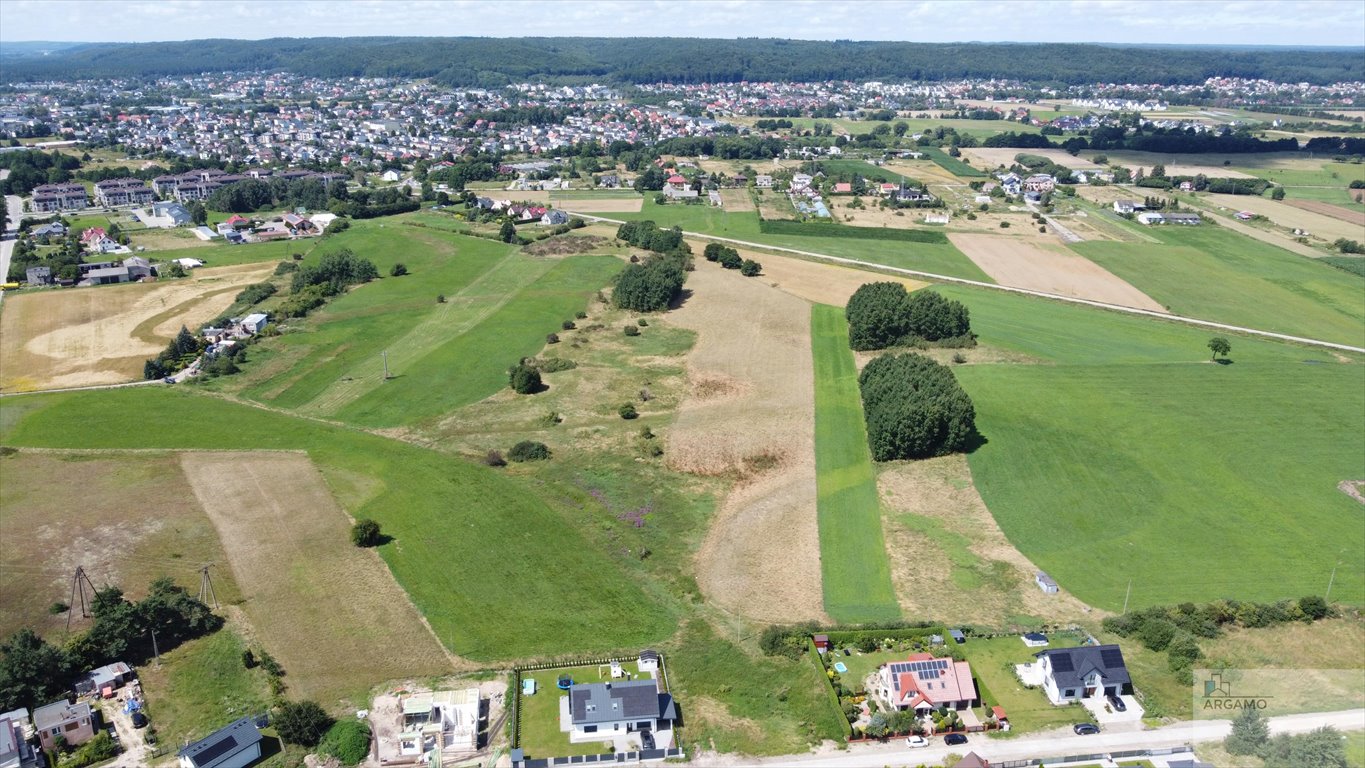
[(895, 753)]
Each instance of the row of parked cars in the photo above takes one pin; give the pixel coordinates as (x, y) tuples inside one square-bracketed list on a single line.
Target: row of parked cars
[(952, 740)]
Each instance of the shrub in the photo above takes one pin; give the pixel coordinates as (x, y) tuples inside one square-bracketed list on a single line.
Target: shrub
[(398, 270), (556, 364), (365, 533), (643, 323), (302, 722), (1042, 230), (58, 607), (256, 293), (914, 408), (285, 267), (580, 314), (248, 659), (269, 664), (494, 459), (528, 450), (730, 259), (628, 412), (750, 268), (348, 741), (632, 330), (524, 379), (440, 298), (1004, 225), (568, 325), (552, 338)]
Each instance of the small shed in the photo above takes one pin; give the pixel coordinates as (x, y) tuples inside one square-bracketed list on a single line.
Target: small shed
[(821, 643), (1035, 640), (936, 639), (1045, 583), (957, 635), (998, 712), (648, 661), (235, 746)]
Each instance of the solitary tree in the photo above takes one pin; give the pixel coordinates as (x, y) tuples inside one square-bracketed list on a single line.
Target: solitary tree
[(302, 723), (365, 533), (525, 380), (508, 232), (1220, 346), (1249, 733)]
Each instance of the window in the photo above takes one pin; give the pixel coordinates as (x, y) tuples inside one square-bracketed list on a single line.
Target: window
[(1069, 692), (590, 729)]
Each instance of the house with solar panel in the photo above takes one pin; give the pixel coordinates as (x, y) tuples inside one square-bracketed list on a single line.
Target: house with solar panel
[(924, 683), (235, 746), (1071, 674)]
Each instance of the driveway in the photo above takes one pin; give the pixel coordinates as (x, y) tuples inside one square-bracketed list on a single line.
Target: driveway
[(1111, 719)]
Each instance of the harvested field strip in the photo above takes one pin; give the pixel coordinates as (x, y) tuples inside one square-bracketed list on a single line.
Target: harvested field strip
[(1327, 209), (1049, 268), (497, 572), (812, 229), (289, 547), (594, 194), (857, 572), (951, 164), (461, 312), (473, 365)]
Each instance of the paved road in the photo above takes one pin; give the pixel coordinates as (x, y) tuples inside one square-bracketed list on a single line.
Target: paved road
[(895, 753), (1009, 289)]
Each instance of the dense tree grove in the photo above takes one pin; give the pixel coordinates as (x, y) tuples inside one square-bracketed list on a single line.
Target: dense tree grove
[(334, 272), (914, 408), (179, 353), (32, 168), (882, 315), (652, 284), (488, 62)]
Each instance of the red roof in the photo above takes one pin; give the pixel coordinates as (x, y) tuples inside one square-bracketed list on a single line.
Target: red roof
[(235, 219), (998, 713), (675, 179)]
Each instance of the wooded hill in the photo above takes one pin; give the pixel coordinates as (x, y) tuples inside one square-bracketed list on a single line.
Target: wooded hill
[(496, 61)]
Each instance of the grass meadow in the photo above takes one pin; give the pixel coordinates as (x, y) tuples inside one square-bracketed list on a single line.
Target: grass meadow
[(857, 573), (1214, 274), (952, 165), (497, 573), (1128, 456), (202, 686)]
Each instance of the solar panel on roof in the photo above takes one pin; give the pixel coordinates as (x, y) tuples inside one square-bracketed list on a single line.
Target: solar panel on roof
[(1062, 663), (214, 751), (1112, 657)]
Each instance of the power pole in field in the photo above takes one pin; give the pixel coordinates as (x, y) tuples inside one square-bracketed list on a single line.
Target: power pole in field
[(206, 587), (385, 355), (1126, 595), (79, 582)]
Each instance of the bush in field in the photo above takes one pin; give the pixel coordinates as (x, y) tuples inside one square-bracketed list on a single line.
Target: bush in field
[(750, 268), (914, 408), (524, 379), (301, 722), (366, 533), (528, 450), (398, 270), (632, 330), (348, 741), (627, 412), (334, 272)]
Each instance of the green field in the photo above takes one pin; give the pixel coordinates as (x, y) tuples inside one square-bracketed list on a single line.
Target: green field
[(832, 231), (1212, 273), (867, 171), (704, 219), (951, 164), (593, 194), (497, 573), (857, 573), (1129, 456), (202, 686)]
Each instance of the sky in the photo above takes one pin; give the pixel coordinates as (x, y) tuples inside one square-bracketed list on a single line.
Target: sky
[(1186, 22)]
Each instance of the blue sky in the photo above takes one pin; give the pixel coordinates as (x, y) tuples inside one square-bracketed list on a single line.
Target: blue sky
[(1246, 22)]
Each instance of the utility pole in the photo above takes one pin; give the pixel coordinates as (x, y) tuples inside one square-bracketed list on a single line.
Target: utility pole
[(79, 582), (385, 355), (1328, 597), (1126, 595), (206, 587), (155, 652)]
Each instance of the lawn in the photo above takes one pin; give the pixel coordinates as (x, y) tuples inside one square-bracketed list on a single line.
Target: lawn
[(472, 365), (497, 573), (202, 686), (993, 663), (1215, 274), (702, 218), (540, 734), (854, 564), (1165, 470)]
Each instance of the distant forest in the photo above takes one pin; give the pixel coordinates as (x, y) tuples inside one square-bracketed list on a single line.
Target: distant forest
[(491, 62)]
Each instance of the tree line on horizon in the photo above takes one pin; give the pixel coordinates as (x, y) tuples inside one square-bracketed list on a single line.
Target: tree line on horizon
[(492, 62)]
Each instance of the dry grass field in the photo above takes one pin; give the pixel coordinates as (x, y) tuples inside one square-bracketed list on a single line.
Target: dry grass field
[(1287, 214), (1050, 268), (87, 336), (949, 559), (750, 374), (984, 157), (1179, 165), (1334, 211), (816, 282), (127, 517), (604, 205), (330, 612), (924, 170), (736, 201)]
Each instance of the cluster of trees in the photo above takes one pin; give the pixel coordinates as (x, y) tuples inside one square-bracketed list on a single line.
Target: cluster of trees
[(313, 284), (730, 259), (486, 62), (1177, 629), (64, 262), (34, 672), (772, 125), (180, 352), (914, 408), (1348, 246), (32, 168), (1336, 145), (723, 147), (1322, 747), (653, 283), (884, 314)]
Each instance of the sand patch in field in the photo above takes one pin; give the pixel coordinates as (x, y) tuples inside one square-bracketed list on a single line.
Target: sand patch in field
[(1049, 268), (324, 608), (85, 336), (749, 415)]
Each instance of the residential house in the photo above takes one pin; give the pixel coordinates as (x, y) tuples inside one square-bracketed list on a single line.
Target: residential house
[(117, 192), (842, 188), (800, 181), (1151, 217), (1040, 183), (1126, 206), (15, 751), (235, 746), (166, 215), (602, 711), (390, 175), (972, 760), (609, 181), (51, 229), (138, 268), (297, 224), (38, 276), (1045, 583), (554, 218), (445, 719), (1012, 184), (75, 723), (110, 677), (763, 181), (254, 322), (923, 683), (1071, 674)]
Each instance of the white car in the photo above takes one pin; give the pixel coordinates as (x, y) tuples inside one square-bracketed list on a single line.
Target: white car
[(916, 741)]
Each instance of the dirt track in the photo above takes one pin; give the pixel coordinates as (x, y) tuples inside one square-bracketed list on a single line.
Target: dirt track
[(330, 612), (748, 414), (79, 337), (1049, 268)]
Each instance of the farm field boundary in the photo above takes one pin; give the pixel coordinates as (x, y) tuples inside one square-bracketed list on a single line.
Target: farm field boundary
[(857, 571), (790, 227)]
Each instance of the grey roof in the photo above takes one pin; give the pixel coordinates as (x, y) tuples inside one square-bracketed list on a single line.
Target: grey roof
[(59, 713), (108, 272), (1036, 636), (1189, 764), (612, 702), (1070, 666), (8, 744), (223, 744), (1041, 577)]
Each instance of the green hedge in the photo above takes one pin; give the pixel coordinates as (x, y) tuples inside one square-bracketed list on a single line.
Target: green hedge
[(809, 229), (850, 636)]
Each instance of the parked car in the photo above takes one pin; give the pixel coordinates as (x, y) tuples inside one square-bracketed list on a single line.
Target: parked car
[(1117, 704), (1085, 729), (916, 741), (955, 739), (139, 720)]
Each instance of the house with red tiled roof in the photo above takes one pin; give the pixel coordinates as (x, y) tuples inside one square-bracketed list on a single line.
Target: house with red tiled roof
[(923, 683), (843, 188)]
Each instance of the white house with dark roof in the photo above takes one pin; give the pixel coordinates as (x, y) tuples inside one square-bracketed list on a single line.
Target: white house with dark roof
[(234, 746), (608, 711), (1072, 674)]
